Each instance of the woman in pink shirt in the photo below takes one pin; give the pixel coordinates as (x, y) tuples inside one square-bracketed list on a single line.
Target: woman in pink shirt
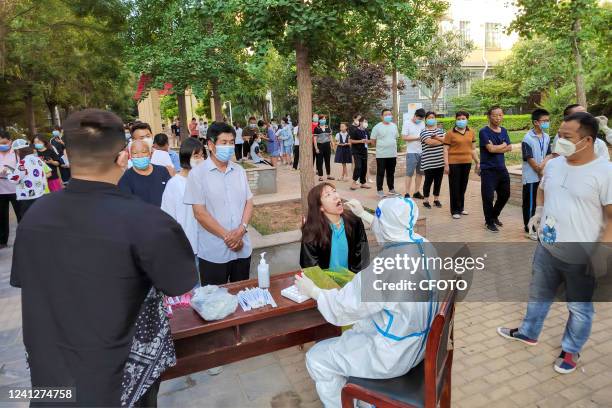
[(8, 163)]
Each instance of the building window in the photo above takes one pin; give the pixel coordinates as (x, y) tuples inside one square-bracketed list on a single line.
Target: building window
[(464, 32), (493, 36), (465, 86)]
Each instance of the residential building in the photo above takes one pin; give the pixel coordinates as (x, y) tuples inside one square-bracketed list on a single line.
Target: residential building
[(484, 23)]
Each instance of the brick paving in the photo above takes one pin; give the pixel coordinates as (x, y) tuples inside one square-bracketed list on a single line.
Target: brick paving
[(488, 371)]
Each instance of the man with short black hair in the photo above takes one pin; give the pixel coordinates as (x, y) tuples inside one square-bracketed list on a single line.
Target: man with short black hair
[(384, 136), (412, 135), (248, 133), (573, 215), (358, 139), (495, 179), (81, 299), (536, 149), (601, 150), (222, 202)]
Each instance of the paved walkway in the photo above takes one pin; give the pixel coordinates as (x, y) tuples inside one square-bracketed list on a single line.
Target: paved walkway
[(487, 370)]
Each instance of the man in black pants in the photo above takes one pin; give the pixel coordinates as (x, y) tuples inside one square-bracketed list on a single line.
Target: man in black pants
[(81, 299), (384, 135), (8, 162), (358, 140), (495, 180)]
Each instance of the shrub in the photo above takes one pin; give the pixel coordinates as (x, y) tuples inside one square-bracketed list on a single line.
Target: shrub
[(510, 122)]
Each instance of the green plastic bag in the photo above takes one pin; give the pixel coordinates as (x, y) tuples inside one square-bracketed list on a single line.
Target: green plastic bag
[(326, 279)]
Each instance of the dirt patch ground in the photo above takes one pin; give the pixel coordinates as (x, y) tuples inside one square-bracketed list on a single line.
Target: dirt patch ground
[(272, 218)]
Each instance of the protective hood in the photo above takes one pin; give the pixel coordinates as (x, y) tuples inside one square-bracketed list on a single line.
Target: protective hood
[(395, 220)]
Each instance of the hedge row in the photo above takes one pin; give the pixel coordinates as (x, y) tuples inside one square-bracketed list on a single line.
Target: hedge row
[(510, 122)]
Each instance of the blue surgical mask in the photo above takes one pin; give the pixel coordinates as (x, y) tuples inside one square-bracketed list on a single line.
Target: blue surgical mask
[(431, 122), (322, 122), (55, 133), (388, 118), (545, 125), (418, 121), (39, 146), (224, 152), (141, 163), (461, 123), (5, 148)]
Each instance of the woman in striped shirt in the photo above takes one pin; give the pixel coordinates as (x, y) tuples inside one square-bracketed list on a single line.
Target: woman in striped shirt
[(432, 158)]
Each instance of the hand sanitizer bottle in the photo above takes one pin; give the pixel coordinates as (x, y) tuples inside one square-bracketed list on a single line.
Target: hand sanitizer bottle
[(263, 273)]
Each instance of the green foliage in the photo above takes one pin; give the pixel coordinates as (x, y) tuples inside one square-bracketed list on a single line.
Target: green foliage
[(476, 122), (488, 92), (395, 33), (65, 53), (168, 107), (440, 66)]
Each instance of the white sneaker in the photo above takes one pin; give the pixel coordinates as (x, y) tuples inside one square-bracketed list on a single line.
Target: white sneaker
[(533, 236), (380, 194), (464, 212), (215, 371), (456, 216)]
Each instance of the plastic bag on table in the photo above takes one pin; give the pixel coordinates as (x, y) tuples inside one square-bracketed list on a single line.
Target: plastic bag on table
[(213, 302), (341, 277), (320, 278)]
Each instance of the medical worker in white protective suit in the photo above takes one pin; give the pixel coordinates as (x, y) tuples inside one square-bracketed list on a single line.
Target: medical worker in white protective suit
[(387, 338)]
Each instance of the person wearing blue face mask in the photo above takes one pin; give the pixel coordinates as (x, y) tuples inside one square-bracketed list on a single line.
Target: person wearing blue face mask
[(384, 137), (222, 202), (432, 159), (536, 151), (459, 152), (8, 163), (323, 147), (145, 180)]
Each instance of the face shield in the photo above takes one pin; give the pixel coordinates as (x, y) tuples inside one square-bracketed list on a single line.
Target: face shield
[(395, 220)]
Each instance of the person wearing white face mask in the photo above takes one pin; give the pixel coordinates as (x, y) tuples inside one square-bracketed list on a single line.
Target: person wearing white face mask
[(574, 211), (222, 202), (388, 334), (601, 150), (191, 154)]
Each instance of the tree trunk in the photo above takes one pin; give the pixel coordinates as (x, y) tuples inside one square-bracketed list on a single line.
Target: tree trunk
[(29, 111), (216, 100), (182, 108), (304, 84), (580, 91), (51, 108), (394, 93)]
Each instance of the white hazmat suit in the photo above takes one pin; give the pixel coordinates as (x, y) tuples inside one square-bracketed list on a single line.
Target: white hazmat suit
[(387, 338)]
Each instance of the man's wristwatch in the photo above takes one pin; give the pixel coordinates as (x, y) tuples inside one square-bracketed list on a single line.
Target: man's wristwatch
[(245, 227)]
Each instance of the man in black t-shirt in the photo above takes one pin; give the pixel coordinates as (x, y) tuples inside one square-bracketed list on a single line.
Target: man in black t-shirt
[(80, 300), (358, 139), (145, 180)]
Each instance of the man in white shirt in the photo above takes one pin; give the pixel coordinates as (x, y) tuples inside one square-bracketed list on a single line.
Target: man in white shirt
[(218, 191), (411, 133), (575, 203), (160, 154)]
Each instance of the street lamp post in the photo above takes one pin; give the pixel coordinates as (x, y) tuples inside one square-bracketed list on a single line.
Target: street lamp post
[(230, 109)]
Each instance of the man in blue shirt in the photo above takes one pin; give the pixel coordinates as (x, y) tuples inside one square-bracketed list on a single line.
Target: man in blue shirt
[(495, 180), (535, 151)]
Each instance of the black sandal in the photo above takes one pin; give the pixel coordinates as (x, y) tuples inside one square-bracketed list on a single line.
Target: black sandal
[(426, 205), (438, 204)]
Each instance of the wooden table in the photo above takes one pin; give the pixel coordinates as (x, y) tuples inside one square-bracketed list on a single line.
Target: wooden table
[(201, 345)]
